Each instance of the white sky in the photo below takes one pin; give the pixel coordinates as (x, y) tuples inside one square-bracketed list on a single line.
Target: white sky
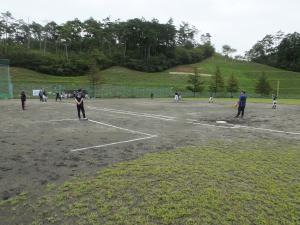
[(239, 23)]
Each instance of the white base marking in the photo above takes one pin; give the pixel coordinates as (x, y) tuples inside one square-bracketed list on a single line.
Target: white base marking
[(211, 125), (191, 120)]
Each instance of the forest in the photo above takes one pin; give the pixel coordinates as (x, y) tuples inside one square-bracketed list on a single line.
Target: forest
[(279, 50), (72, 47)]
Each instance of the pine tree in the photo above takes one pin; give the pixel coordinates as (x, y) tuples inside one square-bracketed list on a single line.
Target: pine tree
[(196, 82), (232, 85), (217, 82), (95, 77), (263, 86)]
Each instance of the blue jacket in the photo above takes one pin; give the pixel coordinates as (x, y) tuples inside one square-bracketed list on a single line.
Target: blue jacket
[(242, 101)]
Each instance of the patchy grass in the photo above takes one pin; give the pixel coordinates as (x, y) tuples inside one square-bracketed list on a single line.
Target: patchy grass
[(240, 183), (17, 200)]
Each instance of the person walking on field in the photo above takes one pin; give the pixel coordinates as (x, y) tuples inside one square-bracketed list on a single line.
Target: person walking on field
[(23, 99), (241, 104), (79, 103)]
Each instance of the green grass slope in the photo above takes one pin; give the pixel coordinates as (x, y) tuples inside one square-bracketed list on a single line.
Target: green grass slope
[(248, 73), (175, 78)]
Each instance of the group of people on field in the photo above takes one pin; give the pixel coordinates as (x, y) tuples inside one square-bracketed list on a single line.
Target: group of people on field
[(79, 97), (43, 95)]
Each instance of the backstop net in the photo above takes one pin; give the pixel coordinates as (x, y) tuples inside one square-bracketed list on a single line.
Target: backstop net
[(6, 87)]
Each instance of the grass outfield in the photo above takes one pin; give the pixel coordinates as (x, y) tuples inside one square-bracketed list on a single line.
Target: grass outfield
[(239, 183), (247, 73)]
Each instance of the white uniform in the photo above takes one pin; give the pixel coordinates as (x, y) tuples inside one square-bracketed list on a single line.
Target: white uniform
[(176, 98)]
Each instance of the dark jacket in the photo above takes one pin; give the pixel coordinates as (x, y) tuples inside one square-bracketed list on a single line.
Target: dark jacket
[(242, 101), (23, 97)]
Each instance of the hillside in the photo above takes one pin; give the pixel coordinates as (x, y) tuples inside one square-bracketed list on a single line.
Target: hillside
[(163, 83)]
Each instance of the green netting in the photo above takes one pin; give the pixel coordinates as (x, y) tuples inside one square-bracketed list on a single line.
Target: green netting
[(119, 91), (6, 87)]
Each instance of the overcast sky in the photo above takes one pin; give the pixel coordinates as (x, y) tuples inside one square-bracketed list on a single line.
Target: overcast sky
[(239, 23)]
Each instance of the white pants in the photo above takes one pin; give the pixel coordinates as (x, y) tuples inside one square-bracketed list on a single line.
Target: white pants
[(176, 98)]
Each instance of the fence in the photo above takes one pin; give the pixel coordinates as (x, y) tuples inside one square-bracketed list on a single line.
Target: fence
[(115, 91), (6, 87)]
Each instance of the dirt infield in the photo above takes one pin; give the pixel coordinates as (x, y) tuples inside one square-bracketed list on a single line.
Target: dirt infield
[(47, 143)]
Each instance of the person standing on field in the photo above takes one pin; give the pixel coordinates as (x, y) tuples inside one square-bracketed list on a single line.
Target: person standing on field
[(23, 99), (45, 96), (241, 104), (176, 97), (58, 96), (274, 98), (79, 104), (41, 95)]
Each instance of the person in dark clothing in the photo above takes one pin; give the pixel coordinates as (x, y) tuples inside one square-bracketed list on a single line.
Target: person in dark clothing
[(241, 104), (79, 103), (23, 99), (41, 95), (151, 95), (274, 98), (45, 96), (58, 96)]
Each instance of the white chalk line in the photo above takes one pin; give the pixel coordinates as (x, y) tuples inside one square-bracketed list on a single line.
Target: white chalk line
[(154, 116), (158, 115), (234, 126), (148, 136), (114, 143), (120, 128), (266, 129), (52, 121)]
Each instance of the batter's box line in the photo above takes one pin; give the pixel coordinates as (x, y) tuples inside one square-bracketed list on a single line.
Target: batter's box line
[(147, 136)]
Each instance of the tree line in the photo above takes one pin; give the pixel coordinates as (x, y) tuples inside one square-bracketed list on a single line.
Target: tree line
[(71, 47), (279, 50), (217, 84)]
